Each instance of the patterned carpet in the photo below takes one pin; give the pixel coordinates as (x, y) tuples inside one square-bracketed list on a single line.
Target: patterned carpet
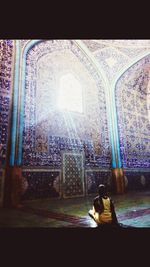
[(78, 221), (132, 209), (134, 214), (83, 221)]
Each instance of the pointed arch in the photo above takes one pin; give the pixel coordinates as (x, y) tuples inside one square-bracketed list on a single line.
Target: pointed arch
[(26, 49), (114, 108), (108, 101), (23, 56)]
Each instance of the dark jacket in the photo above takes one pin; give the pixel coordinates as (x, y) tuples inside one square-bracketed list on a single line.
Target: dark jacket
[(99, 207)]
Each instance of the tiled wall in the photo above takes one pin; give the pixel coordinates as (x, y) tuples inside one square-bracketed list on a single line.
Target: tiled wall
[(94, 178), (6, 61), (40, 184), (137, 179), (132, 101), (49, 131)]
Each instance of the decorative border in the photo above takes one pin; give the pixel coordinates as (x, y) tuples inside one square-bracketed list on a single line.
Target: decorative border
[(15, 105), (92, 68), (114, 106), (113, 126), (7, 54)]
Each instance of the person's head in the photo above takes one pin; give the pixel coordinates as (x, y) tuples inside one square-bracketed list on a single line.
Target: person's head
[(102, 190)]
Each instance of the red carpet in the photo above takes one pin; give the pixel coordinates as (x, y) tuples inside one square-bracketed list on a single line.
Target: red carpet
[(81, 221)]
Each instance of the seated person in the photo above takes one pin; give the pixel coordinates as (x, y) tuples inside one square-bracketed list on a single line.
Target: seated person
[(103, 211)]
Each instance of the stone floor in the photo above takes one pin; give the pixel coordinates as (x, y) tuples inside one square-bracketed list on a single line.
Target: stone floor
[(132, 209)]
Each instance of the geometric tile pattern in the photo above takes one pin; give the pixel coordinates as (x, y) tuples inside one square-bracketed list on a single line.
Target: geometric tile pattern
[(73, 175), (132, 94), (129, 48), (44, 124), (94, 178), (57, 145), (111, 61), (6, 53), (137, 180), (133, 52), (113, 55), (93, 46), (41, 184)]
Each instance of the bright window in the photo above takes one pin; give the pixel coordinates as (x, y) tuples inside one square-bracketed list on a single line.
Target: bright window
[(70, 94)]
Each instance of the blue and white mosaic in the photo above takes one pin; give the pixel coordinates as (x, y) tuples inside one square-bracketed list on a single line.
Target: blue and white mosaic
[(6, 54), (132, 101), (44, 123)]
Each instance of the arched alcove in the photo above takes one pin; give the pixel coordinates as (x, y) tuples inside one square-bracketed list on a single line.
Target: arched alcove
[(131, 95), (48, 131)]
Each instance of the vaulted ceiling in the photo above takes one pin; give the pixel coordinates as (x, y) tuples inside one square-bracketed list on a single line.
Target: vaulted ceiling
[(112, 57)]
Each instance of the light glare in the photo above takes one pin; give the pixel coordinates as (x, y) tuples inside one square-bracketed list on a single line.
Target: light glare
[(70, 94)]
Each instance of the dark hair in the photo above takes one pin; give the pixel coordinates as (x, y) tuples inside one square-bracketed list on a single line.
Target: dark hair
[(102, 190)]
